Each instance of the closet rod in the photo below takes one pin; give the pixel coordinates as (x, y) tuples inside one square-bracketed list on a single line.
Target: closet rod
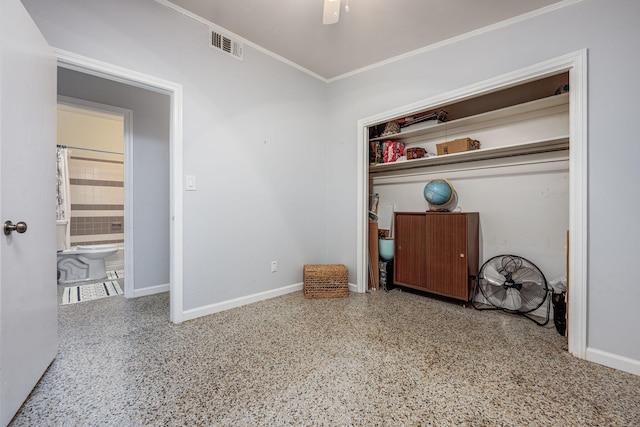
[(90, 149)]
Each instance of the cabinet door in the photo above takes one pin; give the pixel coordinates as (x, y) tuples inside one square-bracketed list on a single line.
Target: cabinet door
[(410, 262), (446, 250)]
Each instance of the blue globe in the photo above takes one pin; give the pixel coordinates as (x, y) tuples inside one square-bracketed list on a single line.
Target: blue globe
[(439, 193)]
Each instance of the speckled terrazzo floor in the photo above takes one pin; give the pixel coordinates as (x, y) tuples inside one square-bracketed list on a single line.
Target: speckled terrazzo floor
[(383, 359)]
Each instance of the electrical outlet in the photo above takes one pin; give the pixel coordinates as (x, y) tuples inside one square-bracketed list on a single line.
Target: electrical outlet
[(274, 266)]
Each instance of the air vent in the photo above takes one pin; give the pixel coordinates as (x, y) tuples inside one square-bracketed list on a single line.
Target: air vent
[(226, 44)]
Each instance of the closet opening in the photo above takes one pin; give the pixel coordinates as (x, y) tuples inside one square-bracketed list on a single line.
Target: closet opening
[(526, 182)]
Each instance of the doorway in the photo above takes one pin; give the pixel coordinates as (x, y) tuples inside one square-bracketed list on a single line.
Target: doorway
[(93, 141), (154, 255)]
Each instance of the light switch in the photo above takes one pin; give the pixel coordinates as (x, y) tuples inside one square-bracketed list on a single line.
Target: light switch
[(190, 182)]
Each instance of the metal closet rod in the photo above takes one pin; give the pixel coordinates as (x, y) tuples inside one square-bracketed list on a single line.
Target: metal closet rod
[(89, 149)]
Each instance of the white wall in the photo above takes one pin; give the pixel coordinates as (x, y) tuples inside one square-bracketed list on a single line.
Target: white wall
[(88, 129), (253, 135), (610, 33)]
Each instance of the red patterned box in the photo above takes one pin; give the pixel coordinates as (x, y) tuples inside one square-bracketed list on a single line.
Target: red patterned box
[(392, 151)]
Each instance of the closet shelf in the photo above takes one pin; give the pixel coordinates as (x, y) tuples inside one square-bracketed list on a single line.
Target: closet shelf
[(450, 126), (532, 147)]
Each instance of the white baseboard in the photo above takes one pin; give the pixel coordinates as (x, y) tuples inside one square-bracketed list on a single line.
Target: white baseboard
[(151, 290), (614, 361), (238, 302), (249, 299)]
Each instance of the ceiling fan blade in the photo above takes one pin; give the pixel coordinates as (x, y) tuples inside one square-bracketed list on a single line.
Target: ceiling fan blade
[(331, 13)]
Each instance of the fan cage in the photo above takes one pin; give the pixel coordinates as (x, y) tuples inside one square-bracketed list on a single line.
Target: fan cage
[(513, 284)]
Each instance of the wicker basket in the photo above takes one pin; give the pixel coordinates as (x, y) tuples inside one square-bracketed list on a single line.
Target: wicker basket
[(326, 281)]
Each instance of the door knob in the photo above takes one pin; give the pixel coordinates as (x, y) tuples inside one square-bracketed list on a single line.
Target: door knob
[(8, 227)]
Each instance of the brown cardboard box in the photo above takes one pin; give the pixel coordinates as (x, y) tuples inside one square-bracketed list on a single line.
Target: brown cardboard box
[(457, 146)]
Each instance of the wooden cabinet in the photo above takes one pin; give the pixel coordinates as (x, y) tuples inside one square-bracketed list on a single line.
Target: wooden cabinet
[(436, 252), (410, 249)]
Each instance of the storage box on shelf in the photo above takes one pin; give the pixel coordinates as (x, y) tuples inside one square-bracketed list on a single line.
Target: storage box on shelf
[(415, 153), (458, 146)]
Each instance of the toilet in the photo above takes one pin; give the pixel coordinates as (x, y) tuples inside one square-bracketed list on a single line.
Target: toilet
[(82, 263)]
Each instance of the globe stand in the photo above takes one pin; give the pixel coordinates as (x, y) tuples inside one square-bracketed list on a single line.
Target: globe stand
[(449, 206)]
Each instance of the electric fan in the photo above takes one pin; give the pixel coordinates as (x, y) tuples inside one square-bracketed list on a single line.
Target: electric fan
[(513, 284)]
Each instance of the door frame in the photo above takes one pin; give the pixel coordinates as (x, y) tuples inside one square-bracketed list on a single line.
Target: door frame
[(129, 229), (576, 65), (119, 74)]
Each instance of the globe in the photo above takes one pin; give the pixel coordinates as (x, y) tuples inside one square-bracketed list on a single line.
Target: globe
[(440, 194)]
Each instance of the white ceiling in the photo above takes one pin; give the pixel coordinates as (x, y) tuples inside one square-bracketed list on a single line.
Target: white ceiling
[(372, 31)]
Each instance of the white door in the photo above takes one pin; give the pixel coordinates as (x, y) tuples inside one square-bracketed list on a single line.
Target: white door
[(28, 295)]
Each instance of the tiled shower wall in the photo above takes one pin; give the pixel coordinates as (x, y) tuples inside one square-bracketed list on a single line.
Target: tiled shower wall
[(97, 197)]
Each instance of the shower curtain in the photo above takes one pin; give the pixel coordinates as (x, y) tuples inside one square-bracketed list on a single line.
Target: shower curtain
[(63, 204)]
